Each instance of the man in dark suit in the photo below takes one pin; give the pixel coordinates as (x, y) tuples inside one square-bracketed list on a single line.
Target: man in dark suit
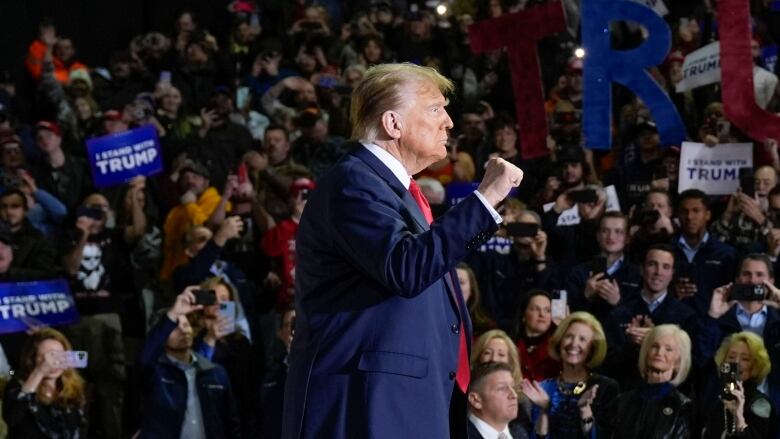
[(629, 322), (493, 403), (382, 332)]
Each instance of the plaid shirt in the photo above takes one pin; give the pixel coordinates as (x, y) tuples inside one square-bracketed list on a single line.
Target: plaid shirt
[(741, 232)]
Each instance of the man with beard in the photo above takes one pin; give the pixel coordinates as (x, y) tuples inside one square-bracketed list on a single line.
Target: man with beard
[(220, 142)]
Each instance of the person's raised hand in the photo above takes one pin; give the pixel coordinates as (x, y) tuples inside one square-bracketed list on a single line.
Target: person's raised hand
[(500, 177), (609, 291), (84, 224), (184, 304), (773, 295), (536, 394), (230, 228), (539, 246), (188, 197), (719, 303), (256, 161), (592, 284)]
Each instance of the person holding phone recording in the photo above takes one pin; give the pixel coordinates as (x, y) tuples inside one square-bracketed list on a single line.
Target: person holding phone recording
[(749, 304), (747, 412), (528, 268), (47, 400), (219, 339), (746, 219), (184, 393)]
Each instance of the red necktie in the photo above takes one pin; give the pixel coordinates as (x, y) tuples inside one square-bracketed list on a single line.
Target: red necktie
[(463, 375)]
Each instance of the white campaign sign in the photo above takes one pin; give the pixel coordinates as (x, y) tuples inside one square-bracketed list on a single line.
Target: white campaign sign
[(571, 216), (714, 170), (701, 67), (657, 5)]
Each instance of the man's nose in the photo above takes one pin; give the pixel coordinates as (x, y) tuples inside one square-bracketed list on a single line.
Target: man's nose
[(448, 123)]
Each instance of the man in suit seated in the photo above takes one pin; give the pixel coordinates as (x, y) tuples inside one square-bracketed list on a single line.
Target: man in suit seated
[(493, 403)]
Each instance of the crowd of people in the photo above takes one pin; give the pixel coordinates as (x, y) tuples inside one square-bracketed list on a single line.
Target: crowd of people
[(590, 319)]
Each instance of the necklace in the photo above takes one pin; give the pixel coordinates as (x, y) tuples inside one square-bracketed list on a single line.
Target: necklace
[(578, 388)]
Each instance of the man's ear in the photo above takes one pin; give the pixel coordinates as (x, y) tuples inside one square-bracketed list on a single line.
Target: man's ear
[(475, 400), (392, 124)]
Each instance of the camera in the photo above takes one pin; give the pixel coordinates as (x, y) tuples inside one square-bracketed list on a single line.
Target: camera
[(748, 292), (647, 217), (584, 196), (729, 375), (522, 230), (205, 297)]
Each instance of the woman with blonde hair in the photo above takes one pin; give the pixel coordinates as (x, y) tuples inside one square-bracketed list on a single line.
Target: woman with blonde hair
[(574, 403), (747, 412), (495, 346), (48, 400), (657, 409)]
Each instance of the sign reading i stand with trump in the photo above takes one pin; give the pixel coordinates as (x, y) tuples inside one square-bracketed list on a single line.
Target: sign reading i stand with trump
[(24, 305), (117, 158), (713, 169)]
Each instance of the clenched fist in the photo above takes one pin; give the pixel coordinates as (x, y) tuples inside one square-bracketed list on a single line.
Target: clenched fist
[(500, 177)]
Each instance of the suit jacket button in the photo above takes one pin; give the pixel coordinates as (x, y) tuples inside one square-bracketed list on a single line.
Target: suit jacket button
[(452, 375), (455, 329)]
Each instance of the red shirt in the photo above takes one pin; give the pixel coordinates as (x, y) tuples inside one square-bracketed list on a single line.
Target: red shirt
[(279, 243)]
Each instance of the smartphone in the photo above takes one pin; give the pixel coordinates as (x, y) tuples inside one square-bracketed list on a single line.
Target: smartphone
[(242, 97), (242, 173), (558, 306), (69, 359), (728, 375), (598, 265), (89, 212), (522, 230), (205, 297), (165, 76), (748, 292), (254, 20), (584, 196), (227, 310), (687, 270), (747, 182), (724, 129)]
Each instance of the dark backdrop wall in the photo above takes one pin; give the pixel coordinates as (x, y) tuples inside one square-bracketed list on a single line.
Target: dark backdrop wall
[(97, 27)]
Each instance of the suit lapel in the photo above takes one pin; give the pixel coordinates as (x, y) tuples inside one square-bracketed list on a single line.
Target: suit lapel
[(453, 288), (383, 171)]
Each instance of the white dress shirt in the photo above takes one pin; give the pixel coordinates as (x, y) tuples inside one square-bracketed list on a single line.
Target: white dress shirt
[(486, 430), (400, 173)]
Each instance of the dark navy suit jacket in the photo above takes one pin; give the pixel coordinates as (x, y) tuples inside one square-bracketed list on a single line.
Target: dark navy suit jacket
[(377, 324)]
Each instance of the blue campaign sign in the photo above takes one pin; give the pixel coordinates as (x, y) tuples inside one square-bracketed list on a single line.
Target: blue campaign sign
[(117, 158), (457, 191), (769, 55), (38, 303)]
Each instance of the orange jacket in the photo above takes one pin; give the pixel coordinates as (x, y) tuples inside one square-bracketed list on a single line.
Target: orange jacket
[(34, 63)]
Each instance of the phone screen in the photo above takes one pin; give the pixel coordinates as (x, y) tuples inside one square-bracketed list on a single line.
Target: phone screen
[(227, 310), (558, 306)]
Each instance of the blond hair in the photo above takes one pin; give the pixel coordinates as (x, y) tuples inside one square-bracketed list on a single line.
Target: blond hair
[(683, 349), (598, 346), (481, 344), (385, 87), (755, 344)]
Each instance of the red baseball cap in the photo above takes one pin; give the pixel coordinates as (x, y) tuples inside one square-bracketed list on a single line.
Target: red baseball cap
[(112, 115), (48, 125)]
